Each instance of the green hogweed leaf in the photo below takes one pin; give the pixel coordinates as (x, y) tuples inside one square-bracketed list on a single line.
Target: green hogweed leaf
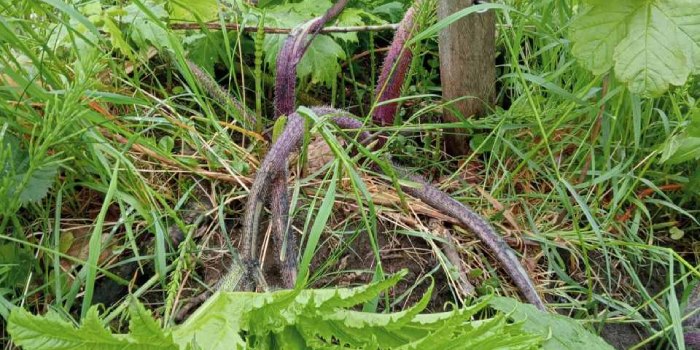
[(562, 332), (308, 319), (52, 332), (19, 177)]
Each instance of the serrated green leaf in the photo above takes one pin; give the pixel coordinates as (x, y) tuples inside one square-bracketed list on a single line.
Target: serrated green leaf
[(650, 44), (203, 49), (39, 183), (30, 182), (143, 30), (652, 55), (50, 332), (216, 324), (320, 61), (685, 16), (143, 326), (562, 333), (598, 30), (354, 17)]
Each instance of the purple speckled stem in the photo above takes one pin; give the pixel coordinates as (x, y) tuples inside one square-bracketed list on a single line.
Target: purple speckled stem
[(272, 175), (692, 339), (394, 71), (477, 224), (466, 217), (271, 170), (289, 56), (291, 53)]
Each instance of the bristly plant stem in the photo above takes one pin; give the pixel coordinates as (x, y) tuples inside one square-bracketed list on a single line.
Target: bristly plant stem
[(394, 70), (273, 170)]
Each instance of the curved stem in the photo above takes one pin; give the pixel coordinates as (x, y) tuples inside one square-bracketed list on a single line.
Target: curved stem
[(273, 170)]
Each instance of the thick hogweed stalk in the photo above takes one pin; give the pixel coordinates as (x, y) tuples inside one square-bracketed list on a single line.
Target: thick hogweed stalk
[(273, 171), (291, 53), (394, 71)]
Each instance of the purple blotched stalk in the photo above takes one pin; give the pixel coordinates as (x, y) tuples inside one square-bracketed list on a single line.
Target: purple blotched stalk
[(291, 53), (289, 56), (394, 71)]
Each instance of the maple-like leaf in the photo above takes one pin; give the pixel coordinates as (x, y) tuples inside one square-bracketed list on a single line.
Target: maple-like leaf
[(649, 44)]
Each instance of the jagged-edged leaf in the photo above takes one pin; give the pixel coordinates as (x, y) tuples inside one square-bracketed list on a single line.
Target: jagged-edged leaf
[(19, 177), (217, 323), (652, 55), (144, 328), (598, 30), (203, 49), (354, 17), (360, 329), (51, 332), (348, 297), (320, 62), (650, 44), (561, 333), (495, 333)]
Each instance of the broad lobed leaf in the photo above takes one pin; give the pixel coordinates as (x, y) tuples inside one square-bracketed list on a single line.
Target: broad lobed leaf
[(649, 44)]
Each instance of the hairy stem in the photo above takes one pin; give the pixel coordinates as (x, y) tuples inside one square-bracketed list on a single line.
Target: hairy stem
[(442, 202), (272, 170), (284, 240), (394, 71), (272, 175), (275, 164), (477, 224), (291, 53)]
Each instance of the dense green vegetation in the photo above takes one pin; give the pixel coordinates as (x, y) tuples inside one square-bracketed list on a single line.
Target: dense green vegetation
[(122, 180)]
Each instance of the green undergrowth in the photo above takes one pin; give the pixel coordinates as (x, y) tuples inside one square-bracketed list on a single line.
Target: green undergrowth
[(109, 149), (316, 319)]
